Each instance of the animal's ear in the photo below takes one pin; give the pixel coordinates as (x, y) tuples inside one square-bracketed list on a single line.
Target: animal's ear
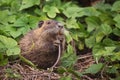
[(40, 23)]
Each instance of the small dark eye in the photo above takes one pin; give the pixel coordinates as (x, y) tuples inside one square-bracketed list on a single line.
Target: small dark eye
[(40, 23), (48, 22)]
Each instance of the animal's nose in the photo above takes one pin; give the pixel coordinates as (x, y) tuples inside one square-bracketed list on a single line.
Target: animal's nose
[(60, 25)]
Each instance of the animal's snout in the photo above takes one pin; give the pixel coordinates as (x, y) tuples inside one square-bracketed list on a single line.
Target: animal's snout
[(60, 25)]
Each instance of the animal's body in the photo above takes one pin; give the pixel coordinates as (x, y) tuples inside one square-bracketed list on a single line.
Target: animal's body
[(40, 45)]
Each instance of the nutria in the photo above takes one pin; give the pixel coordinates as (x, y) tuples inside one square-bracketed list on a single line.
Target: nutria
[(40, 45)]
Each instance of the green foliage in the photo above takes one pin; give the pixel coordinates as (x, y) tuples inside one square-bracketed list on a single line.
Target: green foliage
[(12, 74), (69, 58), (96, 27), (51, 11), (29, 3), (66, 78), (10, 46), (94, 68)]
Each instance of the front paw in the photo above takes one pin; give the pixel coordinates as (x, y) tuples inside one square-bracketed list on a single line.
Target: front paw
[(56, 42)]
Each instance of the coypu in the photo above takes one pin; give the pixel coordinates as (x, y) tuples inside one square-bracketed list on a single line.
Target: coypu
[(40, 45)]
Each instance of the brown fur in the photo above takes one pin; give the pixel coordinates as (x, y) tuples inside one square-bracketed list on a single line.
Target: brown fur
[(41, 45)]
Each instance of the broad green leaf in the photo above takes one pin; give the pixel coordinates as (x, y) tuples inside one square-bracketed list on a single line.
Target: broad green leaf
[(13, 51), (5, 2), (5, 17), (116, 56), (69, 58), (3, 62), (15, 8), (117, 19), (94, 68), (12, 31), (69, 49), (10, 45), (15, 33), (51, 11), (116, 6), (92, 22), (102, 6), (112, 69), (8, 42), (29, 3), (99, 36), (66, 78), (98, 51), (68, 36), (48, 8), (51, 14), (106, 29), (89, 11), (116, 31), (103, 51), (22, 21), (72, 11), (109, 42), (109, 50), (106, 18), (26, 23), (72, 23), (90, 42)]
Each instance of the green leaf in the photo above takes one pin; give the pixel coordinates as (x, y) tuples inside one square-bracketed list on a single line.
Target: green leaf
[(51, 14), (117, 18), (89, 11), (66, 78), (109, 42), (68, 36), (13, 51), (110, 49), (3, 62), (107, 18), (72, 23), (92, 22), (26, 23), (106, 29), (5, 2), (10, 45), (29, 3), (51, 11), (99, 36), (102, 6), (116, 31), (90, 42), (69, 58), (94, 68), (116, 6), (15, 33), (72, 11), (98, 51), (112, 69), (5, 17), (116, 56)]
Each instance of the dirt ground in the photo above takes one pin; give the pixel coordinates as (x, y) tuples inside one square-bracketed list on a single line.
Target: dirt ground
[(17, 71)]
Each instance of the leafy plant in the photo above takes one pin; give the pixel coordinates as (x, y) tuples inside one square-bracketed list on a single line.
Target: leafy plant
[(96, 27)]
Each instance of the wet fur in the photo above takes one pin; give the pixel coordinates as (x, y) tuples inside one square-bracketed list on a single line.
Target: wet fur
[(38, 44)]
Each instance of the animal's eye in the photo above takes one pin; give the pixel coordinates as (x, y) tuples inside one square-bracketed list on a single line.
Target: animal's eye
[(40, 24), (48, 22)]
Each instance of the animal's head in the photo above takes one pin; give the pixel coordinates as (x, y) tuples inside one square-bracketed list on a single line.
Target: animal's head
[(51, 28)]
